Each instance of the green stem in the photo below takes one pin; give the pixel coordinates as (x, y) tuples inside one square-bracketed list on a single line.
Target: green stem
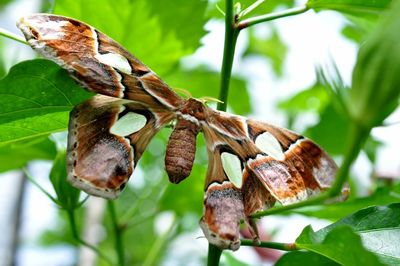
[(119, 247), (214, 255), (159, 245), (267, 17), (36, 184), (10, 35), (231, 34), (251, 8), (75, 234), (357, 138), (274, 245)]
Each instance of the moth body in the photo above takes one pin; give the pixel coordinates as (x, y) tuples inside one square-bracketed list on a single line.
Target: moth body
[(181, 146)]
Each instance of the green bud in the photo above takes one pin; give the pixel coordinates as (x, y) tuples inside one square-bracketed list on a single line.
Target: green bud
[(376, 77)]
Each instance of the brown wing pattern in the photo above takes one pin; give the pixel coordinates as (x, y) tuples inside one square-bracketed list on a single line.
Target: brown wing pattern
[(272, 163), (96, 61), (289, 166), (107, 137)]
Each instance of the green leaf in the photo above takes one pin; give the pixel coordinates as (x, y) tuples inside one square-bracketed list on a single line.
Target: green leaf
[(340, 244), (300, 258), (375, 86), (378, 228), (137, 28), (313, 99), (17, 154), (227, 259), (175, 15), (35, 99), (67, 195), (272, 48), (382, 195), (201, 82), (351, 6), (330, 121)]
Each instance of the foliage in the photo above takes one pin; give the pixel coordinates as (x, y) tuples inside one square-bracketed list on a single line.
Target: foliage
[(37, 95)]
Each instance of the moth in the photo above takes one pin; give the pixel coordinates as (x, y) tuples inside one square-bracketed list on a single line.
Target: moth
[(251, 165)]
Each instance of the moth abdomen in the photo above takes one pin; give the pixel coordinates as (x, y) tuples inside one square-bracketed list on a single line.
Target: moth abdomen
[(181, 150)]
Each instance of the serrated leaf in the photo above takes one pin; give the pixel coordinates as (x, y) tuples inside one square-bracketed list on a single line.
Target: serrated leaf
[(304, 258), (137, 28), (35, 99), (351, 6), (17, 154)]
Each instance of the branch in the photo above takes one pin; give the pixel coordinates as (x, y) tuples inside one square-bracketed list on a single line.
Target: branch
[(119, 246), (75, 234), (274, 245), (231, 34), (10, 35), (267, 17)]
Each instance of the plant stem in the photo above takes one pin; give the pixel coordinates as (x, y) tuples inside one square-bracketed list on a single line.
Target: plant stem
[(259, 19), (75, 234), (10, 35), (251, 7), (214, 255), (119, 247), (231, 34), (274, 245), (357, 138), (158, 246)]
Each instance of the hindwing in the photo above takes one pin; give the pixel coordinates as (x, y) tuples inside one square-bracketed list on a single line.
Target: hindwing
[(106, 138)]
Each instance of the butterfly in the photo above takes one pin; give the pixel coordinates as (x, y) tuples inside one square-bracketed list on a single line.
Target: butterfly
[(252, 164)]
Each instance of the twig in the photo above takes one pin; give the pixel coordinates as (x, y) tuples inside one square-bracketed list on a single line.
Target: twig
[(10, 35), (119, 245), (274, 245)]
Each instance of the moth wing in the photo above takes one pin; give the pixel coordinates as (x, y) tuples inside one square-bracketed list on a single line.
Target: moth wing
[(106, 138), (96, 61), (281, 164), (291, 167)]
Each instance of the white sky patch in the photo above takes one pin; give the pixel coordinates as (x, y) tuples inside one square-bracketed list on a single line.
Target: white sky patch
[(128, 124), (232, 167), (116, 61), (270, 145)]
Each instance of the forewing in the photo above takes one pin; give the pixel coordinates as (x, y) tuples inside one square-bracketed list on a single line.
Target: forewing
[(95, 60), (107, 137)]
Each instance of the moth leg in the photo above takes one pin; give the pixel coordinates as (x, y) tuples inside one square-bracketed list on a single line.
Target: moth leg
[(252, 224)]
